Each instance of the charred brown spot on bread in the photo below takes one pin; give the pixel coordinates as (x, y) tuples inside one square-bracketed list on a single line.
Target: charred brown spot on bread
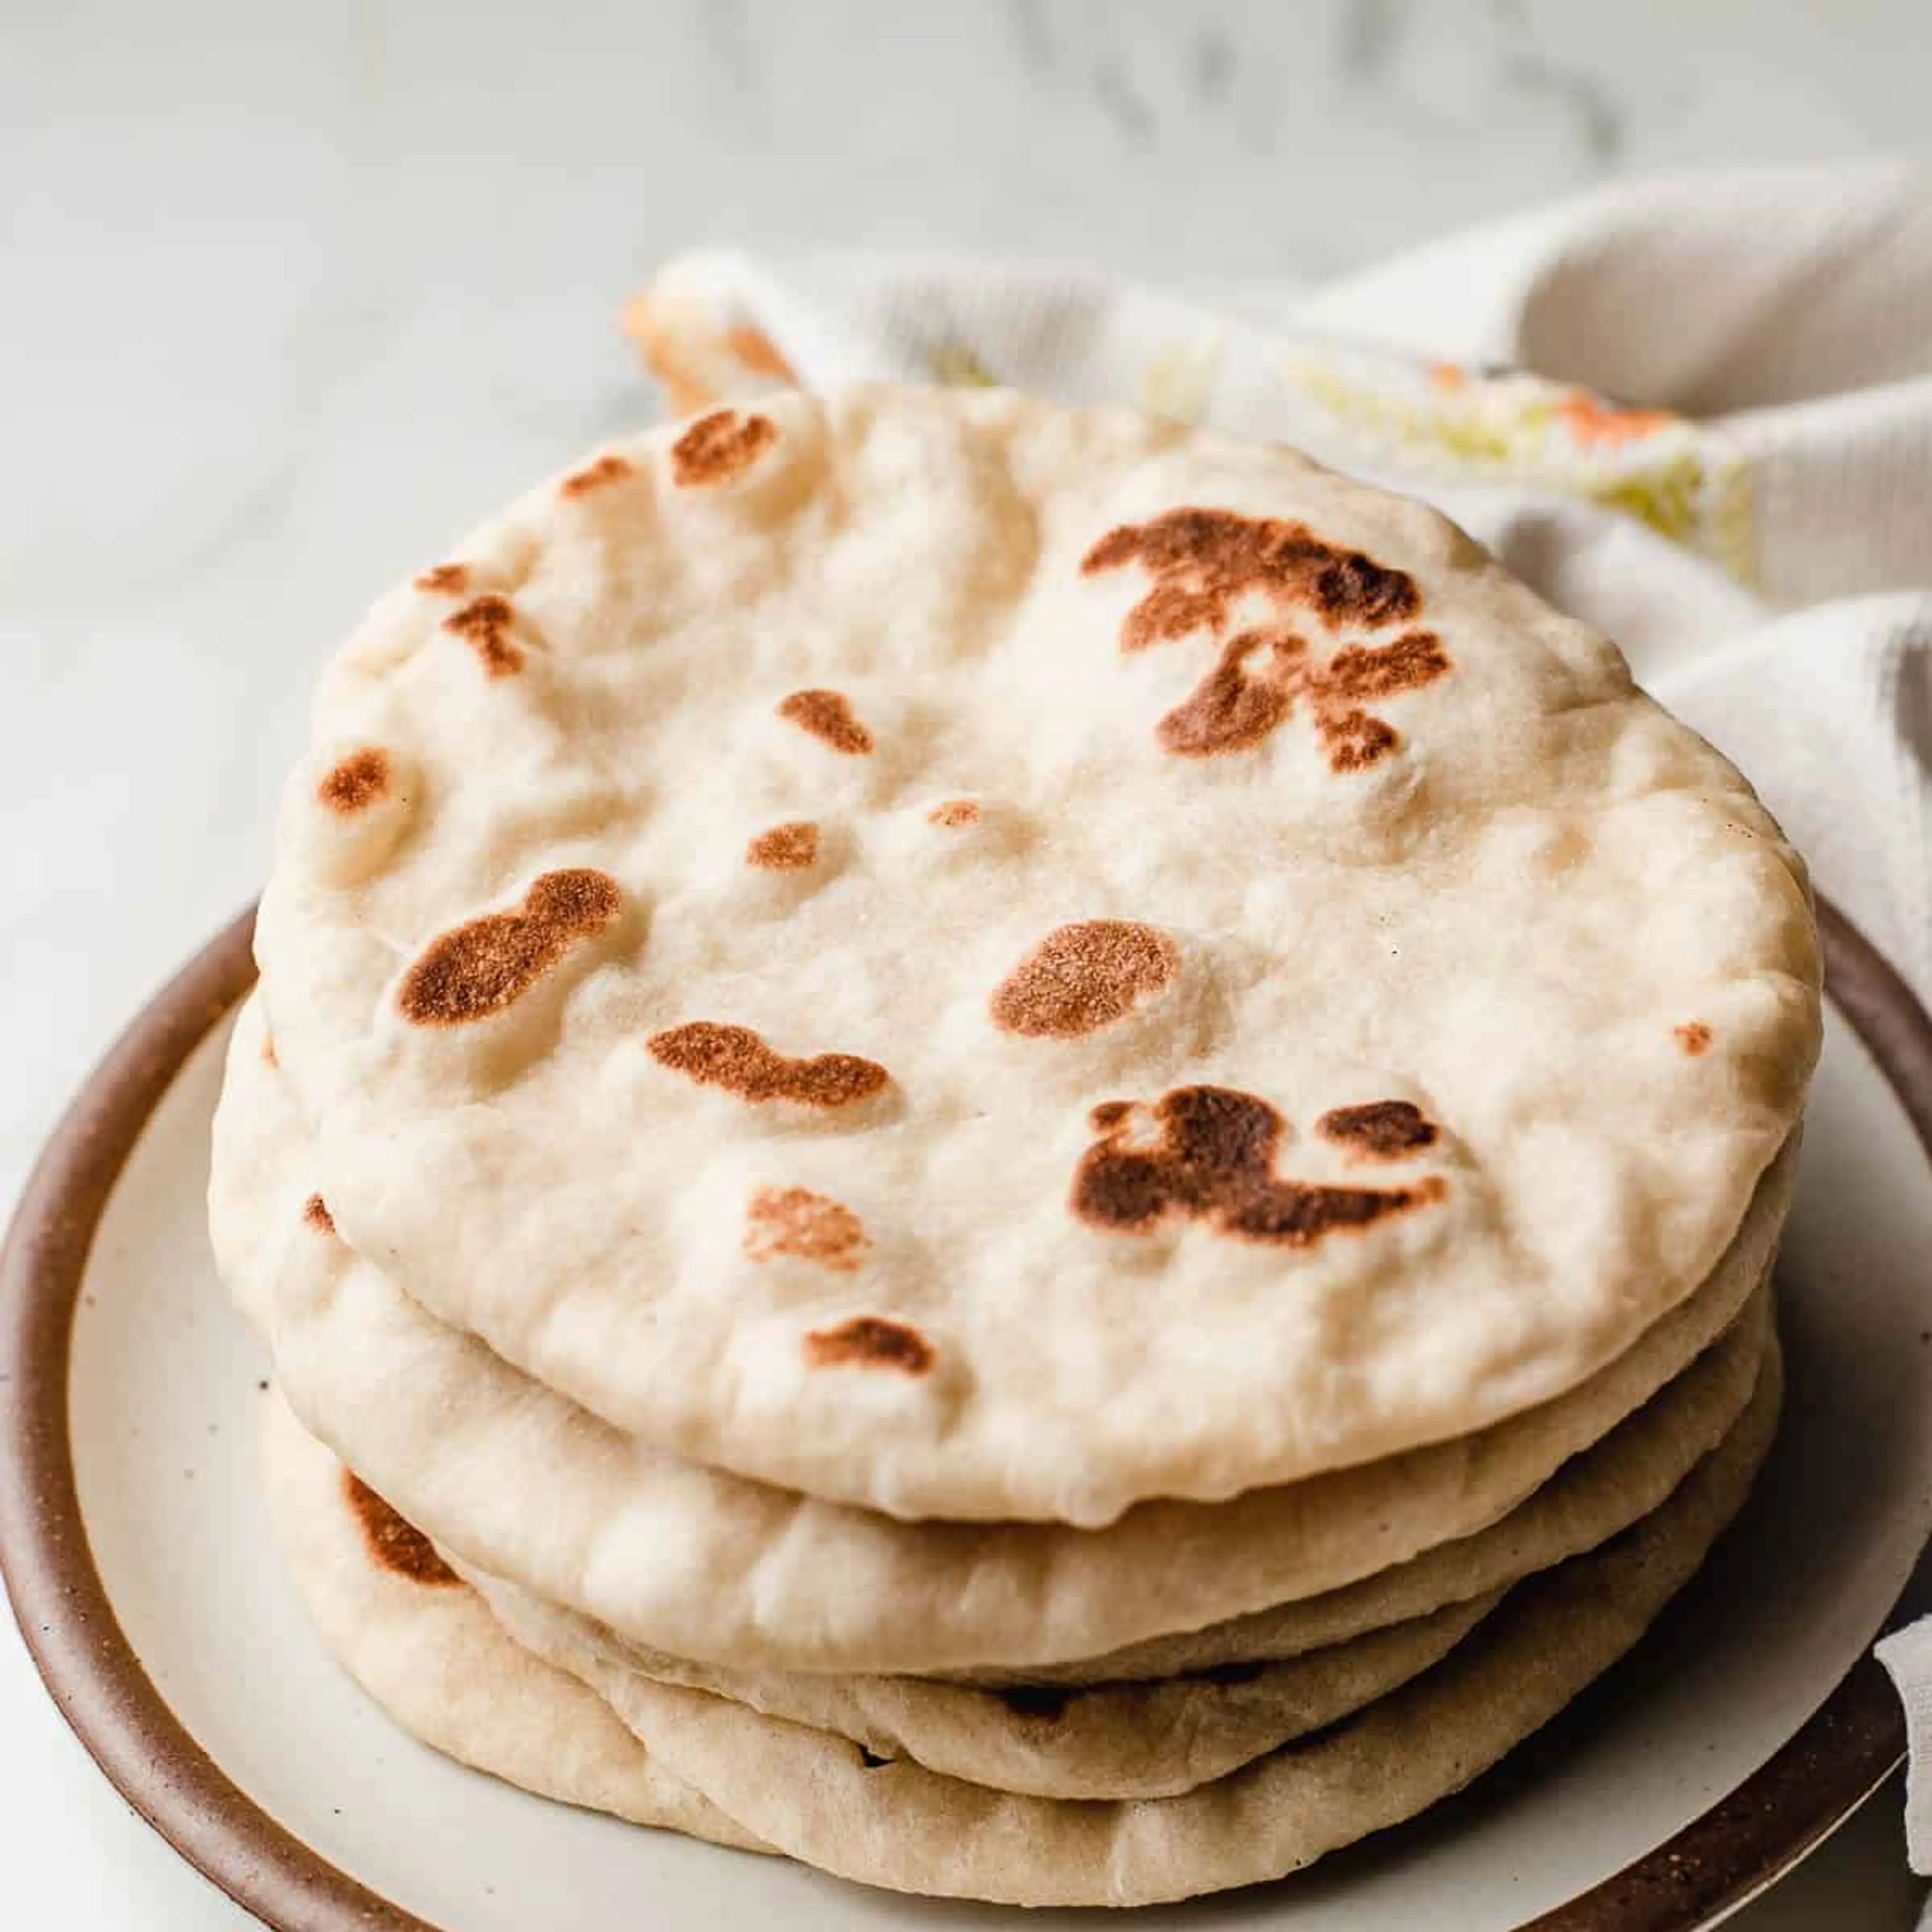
[(485, 965), (354, 781), (484, 624), (598, 475), (1082, 977), (1693, 1037), (789, 847), (954, 814), (738, 1060), (1353, 589), (811, 1227), (1379, 1129), (1047, 1702), (445, 579), (1234, 706), (717, 447), (1209, 1157), (1201, 561), (1354, 737), (315, 1215), (1360, 671), (1261, 674), (394, 1543), (870, 1341), (827, 715), (1355, 740)]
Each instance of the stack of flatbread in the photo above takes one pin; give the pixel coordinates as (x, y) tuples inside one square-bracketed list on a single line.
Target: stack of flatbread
[(1030, 1154)]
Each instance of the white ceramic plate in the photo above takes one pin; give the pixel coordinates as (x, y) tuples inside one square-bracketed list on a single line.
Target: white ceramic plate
[(1682, 1784)]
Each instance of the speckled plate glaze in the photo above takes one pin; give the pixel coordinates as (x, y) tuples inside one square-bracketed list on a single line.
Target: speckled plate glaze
[(137, 1554)]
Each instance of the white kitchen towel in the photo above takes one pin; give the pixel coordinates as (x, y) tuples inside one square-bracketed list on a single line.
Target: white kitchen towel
[(1696, 413), (1908, 1656)]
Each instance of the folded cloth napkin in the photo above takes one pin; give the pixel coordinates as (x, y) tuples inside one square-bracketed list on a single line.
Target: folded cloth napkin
[(1696, 413)]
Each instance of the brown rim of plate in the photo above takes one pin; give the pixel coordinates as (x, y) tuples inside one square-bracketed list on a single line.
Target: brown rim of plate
[(1740, 1846)]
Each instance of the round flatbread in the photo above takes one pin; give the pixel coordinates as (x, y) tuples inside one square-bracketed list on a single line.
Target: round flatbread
[(817, 1797), (990, 960), (422, 1643), (526, 1486)]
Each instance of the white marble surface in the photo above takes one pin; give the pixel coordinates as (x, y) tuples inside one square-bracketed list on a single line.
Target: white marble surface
[(289, 295)]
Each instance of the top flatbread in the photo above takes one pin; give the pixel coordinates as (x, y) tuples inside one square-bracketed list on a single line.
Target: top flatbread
[(987, 960)]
